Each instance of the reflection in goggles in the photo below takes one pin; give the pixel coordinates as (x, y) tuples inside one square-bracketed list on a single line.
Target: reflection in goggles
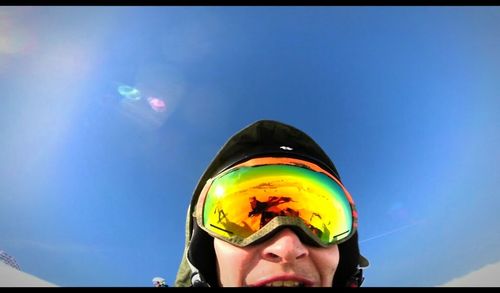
[(269, 209), (247, 202)]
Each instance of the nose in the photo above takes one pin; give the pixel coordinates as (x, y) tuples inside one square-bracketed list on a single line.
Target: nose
[(284, 247)]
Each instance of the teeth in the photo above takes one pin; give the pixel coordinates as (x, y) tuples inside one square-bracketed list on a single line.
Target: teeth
[(288, 283)]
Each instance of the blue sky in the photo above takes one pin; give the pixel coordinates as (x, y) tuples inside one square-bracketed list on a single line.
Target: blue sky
[(94, 185)]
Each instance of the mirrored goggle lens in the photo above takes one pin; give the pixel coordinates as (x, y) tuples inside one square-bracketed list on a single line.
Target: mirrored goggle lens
[(239, 203)]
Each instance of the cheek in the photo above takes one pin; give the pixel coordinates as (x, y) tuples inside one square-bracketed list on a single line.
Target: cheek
[(233, 263), (326, 262)]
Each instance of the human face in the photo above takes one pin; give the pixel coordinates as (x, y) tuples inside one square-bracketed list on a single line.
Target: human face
[(272, 262)]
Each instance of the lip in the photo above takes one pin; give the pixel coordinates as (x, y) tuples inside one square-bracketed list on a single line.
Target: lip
[(296, 278)]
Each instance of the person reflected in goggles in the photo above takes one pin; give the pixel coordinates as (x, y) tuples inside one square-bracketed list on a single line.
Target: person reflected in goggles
[(271, 210)]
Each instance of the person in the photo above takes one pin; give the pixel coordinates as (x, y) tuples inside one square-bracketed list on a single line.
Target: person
[(271, 210)]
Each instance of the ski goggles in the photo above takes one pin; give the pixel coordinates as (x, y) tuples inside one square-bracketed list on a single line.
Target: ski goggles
[(252, 199)]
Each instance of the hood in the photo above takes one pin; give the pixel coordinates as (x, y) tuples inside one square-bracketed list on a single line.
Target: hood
[(261, 138)]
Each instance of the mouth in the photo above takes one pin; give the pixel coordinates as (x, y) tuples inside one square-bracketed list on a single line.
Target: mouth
[(284, 283)]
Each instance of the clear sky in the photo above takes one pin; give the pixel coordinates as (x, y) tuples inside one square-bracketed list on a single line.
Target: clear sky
[(96, 172)]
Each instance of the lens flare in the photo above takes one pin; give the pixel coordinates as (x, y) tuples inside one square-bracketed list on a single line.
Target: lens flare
[(158, 105), (129, 92)]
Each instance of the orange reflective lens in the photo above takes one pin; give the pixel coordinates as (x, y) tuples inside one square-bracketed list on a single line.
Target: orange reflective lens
[(249, 200)]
